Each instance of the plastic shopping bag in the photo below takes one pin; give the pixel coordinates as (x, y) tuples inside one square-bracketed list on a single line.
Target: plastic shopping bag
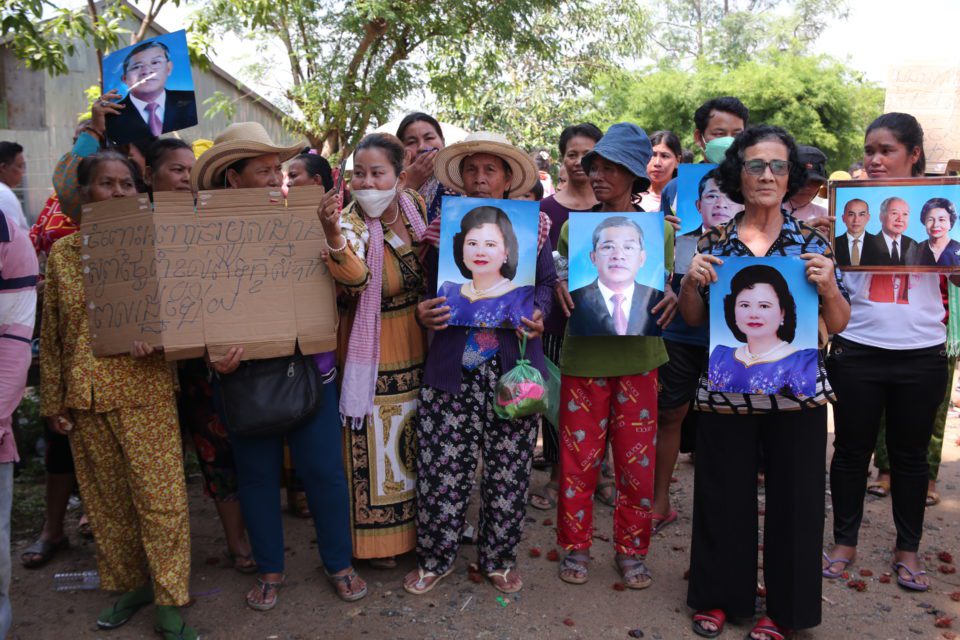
[(521, 391)]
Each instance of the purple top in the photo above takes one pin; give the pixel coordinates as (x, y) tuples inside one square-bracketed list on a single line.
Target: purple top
[(556, 322), (502, 311), (794, 376), (444, 369)]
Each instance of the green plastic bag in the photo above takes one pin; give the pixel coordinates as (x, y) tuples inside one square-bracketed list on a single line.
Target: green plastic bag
[(552, 414), (521, 391)]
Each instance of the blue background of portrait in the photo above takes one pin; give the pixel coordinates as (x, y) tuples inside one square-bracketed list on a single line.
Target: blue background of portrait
[(525, 217), (180, 79), (582, 271), (804, 294), (688, 183), (915, 196)]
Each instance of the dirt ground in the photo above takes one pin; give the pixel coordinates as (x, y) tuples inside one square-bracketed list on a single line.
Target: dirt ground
[(460, 608)]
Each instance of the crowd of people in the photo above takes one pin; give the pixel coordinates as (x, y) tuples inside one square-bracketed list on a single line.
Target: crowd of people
[(407, 390)]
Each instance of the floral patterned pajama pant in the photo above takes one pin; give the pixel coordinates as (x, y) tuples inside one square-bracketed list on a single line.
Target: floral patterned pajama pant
[(130, 468), (454, 431), (626, 406)]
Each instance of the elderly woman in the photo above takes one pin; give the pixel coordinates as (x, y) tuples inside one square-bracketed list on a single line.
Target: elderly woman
[(373, 253), (455, 423), (121, 417), (760, 171), (938, 216), (889, 363), (244, 157), (603, 395)]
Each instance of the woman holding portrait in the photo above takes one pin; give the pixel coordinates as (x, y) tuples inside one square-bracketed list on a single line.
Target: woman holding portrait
[(760, 170)]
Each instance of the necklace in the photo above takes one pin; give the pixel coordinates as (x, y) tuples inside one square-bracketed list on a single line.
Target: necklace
[(394, 217), (754, 357), (480, 292)]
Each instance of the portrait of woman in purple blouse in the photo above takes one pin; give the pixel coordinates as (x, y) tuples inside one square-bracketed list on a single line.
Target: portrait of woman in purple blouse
[(486, 252), (761, 313)]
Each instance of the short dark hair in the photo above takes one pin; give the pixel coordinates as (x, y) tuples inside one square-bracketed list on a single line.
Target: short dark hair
[(908, 132), (585, 129), (387, 143), (748, 278), (616, 221), (143, 46), (729, 171), (488, 215), (316, 164), (9, 151), (418, 116), (686, 157), (856, 166), (707, 177), (88, 167), (537, 191), (938, 203), (157, 152), (727, 104)]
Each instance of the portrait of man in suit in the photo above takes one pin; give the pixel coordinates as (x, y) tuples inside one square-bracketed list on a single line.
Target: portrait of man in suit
[(713, 204), (890, 246), (856, 246), (615, 304), (150, 109)]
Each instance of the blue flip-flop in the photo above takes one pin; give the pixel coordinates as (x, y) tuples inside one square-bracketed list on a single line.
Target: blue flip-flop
[(911, 584), (831, 575)]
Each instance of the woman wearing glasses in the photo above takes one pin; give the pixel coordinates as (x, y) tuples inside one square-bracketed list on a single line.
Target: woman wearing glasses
[(760, 171)]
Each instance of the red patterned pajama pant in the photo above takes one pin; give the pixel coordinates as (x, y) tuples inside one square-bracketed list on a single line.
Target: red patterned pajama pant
[(626, 406)]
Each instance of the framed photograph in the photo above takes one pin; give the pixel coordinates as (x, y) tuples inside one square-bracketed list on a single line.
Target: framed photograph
[(488, 260), (155, 83), (616, 273), (763, 328), (903, 225), (700, 203)]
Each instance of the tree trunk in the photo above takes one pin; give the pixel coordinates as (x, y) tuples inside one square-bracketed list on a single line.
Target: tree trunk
[(92, 8)]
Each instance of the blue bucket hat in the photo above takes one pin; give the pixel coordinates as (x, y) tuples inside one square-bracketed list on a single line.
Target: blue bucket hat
[(627, 145)]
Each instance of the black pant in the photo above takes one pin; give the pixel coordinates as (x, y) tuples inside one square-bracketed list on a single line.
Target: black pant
[(723, 561), (908, 385)]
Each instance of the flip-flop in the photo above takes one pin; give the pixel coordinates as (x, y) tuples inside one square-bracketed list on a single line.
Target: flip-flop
[(505, 588), (347, 581), (911, 584), (879, 488), (546, 501), (833, 575), (45, 550), (770, 628), (933, 498), (713, 616), (421, 587), (662, 522)]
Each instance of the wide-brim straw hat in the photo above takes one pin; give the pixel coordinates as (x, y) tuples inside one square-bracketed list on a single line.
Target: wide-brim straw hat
[(448, 160), (238, 141)]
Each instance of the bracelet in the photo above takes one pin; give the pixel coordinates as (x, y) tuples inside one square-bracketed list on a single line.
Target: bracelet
[(99, 134), (340, 250)]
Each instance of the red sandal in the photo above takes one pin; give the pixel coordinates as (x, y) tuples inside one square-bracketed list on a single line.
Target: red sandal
[(713, 616), (770, 628)]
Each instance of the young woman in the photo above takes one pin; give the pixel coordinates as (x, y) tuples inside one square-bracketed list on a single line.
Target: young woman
[(890, 361), (244, 157), (373, 248), (120, 414), (760, 170), (422, 140), (662, 167), (593, 379)]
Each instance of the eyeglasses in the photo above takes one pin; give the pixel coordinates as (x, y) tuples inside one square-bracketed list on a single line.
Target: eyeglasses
[(757, 167), (609, 248), (154, 65)]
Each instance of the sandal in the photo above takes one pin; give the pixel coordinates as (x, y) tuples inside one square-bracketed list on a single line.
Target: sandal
[(263, 596), (546, 500), (297, 504), (172, 627), (662, 522), (879, 488), (770, 628), (933, 498), (120, 612), (910, 584), (634, 571), (574, 569), (84, 528), (503, 585), (42, 551), (602, 494), (243, 563), (343, 585), (714, 616), (426, 581), (833, 575)]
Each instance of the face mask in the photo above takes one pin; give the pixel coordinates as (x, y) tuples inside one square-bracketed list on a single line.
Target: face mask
[(375, 201), (716, 149)]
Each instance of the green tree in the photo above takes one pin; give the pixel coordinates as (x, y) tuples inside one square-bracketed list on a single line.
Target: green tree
[(815, 98)]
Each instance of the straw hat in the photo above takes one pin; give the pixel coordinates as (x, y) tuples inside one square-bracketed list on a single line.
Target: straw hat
[(238, 141), (447, 163)]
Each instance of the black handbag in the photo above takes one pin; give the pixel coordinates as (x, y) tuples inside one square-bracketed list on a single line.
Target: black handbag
[(269, 397)]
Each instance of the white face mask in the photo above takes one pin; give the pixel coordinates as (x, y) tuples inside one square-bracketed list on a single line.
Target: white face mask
[(375, 201)]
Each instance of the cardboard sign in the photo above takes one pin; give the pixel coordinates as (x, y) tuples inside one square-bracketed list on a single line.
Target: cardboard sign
[(242, 269), (931, 93)]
